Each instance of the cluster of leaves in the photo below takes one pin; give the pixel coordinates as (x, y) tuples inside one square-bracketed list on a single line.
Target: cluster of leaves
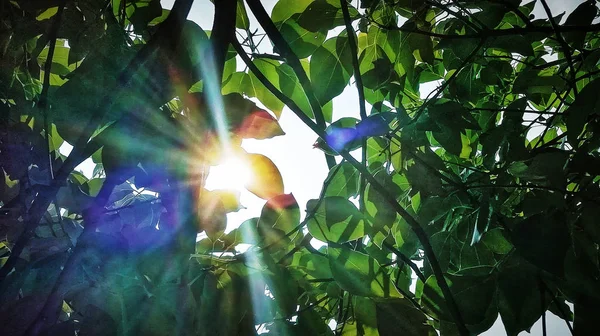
[(476, 202)]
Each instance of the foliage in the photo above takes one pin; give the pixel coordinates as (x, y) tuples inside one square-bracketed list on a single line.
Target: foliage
[(476, 202)]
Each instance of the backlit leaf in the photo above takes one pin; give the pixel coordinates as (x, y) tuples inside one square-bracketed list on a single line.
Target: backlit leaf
[(266, 181), (359, 274), (259, 125), (330, 68), (335, 219)]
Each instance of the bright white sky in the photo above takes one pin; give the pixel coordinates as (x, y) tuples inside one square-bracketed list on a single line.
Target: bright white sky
[(302, 167)]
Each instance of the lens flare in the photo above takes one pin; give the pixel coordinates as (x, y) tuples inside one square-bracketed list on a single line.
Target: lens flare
[(233, 173)]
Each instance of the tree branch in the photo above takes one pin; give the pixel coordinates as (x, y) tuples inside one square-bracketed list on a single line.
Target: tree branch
[(286, 51), (407, 261), (43, 102), (223, 32), (542, 304), (389, 197), (515, 10), (361, 94), (436, 93), (495, 32), (563, 44), (423, 239)]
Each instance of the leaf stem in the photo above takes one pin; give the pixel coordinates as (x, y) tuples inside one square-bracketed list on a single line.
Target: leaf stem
[(441, 88)]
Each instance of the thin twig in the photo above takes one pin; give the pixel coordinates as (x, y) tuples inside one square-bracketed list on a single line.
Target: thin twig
[(562, 42), (515, 10), (457, 15), (423, 239), (436, 93)]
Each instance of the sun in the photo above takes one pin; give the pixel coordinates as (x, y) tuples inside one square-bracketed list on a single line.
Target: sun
[(232, 173)]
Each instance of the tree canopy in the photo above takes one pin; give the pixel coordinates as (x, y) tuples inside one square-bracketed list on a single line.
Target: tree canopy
[(438, 214)]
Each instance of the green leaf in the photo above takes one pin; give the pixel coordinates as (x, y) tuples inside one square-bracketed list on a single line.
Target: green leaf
[(359, 274), (254, 88), (285, 9), (94, 186), (512, 43), (290, 86), (313, 265), (424, 180), (302, 41), (462, 48), (241, 19), (484, 216), (540, 239), (377, 148), (234, 83), (281, 212), (60, 60), (496, 72), (336, 219), (377, 205), (406, 240), (450, 139), (323, 15), (331, 68), (342, 180), (584, 14), (530, 81), (422, 47), (365, 310), (400, 317), (142, 12), (266, 181), (229, 68), (491, 14), (474, 296), (496, 242), (519, 296), (312, 323), (48, 13), (587, 103)]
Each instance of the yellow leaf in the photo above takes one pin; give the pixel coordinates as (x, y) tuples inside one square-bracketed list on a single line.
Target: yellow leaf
[(266, 181)]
